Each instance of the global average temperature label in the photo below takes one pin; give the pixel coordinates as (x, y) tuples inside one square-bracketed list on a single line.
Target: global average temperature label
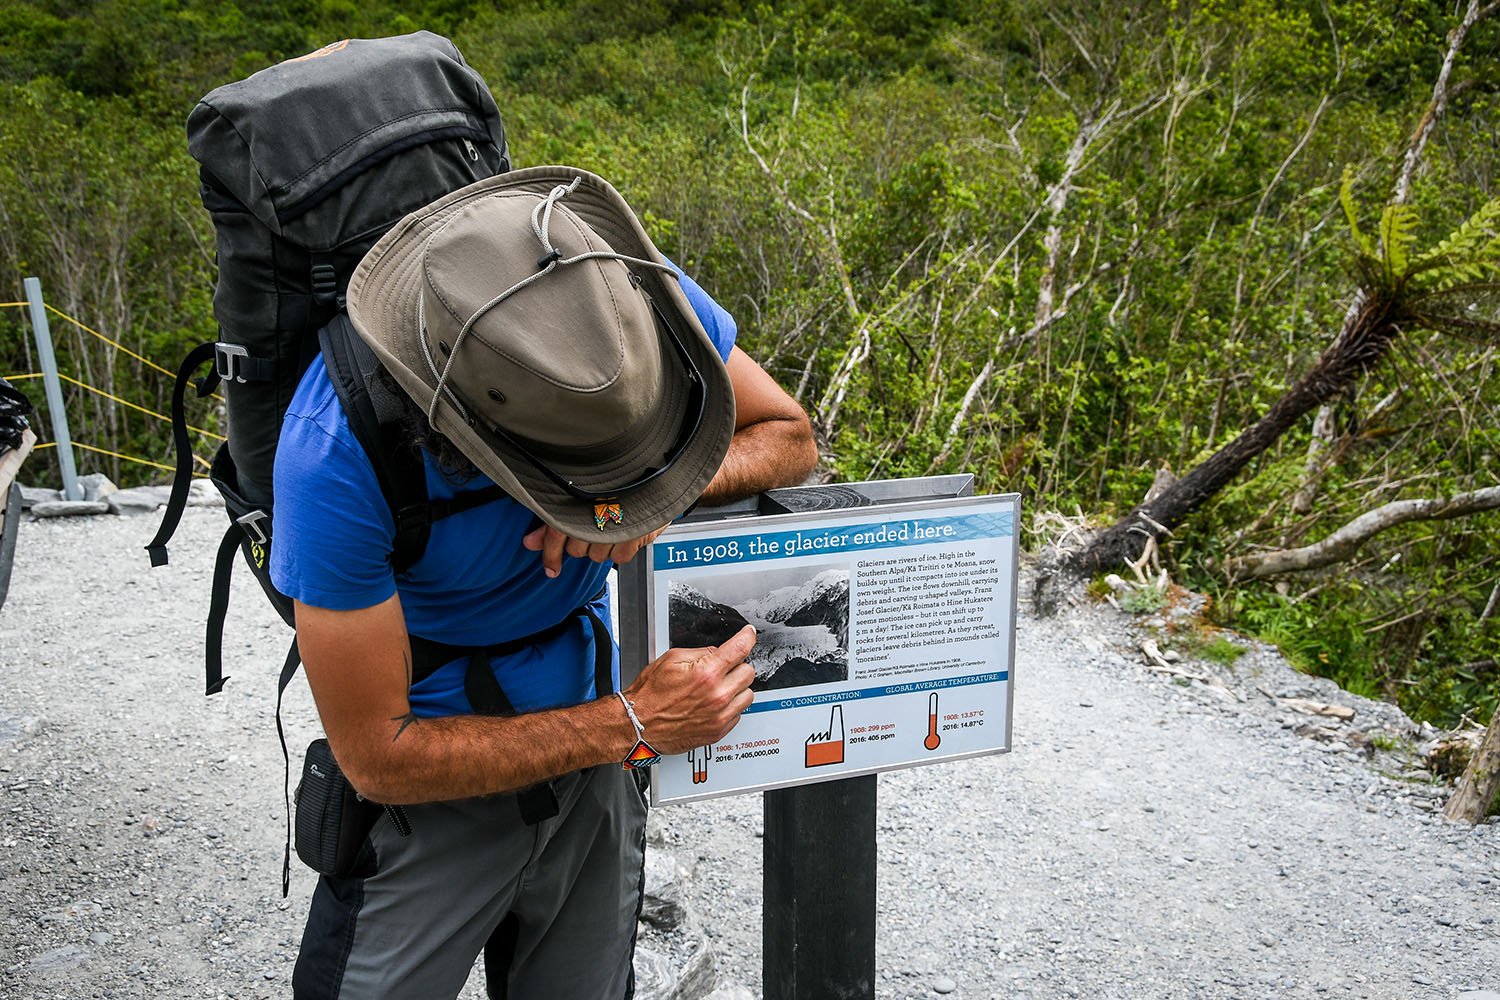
[(884, 638)]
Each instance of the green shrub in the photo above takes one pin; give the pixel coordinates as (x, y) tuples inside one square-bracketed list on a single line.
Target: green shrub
[(1143, 599), (1215, 649)]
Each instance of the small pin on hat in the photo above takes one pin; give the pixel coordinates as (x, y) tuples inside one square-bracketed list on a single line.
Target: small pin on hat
[(607, 513)]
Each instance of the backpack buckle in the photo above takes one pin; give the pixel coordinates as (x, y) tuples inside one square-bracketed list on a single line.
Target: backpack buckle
[(233, 363), (227, 362), (250, 524), (325, 284)]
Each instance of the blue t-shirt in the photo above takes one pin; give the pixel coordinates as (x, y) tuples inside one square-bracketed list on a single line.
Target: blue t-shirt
[(475, 585)]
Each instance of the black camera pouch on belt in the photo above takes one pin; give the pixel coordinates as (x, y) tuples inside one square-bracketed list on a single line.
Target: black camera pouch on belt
[(332, 820)]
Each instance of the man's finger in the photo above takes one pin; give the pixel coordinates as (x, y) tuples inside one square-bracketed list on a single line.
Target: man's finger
[(741, 675), (552, 551), (627, 551), (733, 650), (742, 701)]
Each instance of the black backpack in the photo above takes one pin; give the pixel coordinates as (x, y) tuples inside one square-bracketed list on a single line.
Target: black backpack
[(304, 165)]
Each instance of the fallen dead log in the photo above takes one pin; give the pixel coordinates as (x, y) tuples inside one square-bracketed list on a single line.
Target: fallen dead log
[(1476, 790)]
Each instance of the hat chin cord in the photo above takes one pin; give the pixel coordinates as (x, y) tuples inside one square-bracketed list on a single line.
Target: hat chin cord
[(552, 258)]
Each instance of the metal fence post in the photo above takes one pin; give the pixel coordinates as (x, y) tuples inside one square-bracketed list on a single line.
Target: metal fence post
[(71, 489)]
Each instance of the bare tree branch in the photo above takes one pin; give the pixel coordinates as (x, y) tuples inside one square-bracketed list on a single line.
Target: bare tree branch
[(955, 426), (1440, 95), (1344, 542), (829, 234), (1312, 470), (1489, 606)]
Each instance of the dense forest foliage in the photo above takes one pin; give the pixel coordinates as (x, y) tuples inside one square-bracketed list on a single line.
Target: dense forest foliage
[(1062, 246)]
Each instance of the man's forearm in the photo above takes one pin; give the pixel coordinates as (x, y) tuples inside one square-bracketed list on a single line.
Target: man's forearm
[(434, 760), (763, 456)]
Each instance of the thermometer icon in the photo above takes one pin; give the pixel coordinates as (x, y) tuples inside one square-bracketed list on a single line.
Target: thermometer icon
[(933, 739)]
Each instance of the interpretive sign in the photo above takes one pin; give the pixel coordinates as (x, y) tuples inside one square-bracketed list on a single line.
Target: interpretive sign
[(885, 637)]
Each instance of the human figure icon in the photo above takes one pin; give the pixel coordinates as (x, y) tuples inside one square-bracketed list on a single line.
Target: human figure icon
[(699, 757)]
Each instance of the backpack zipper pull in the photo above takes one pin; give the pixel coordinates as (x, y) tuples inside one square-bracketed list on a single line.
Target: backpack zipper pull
[(472, 150)]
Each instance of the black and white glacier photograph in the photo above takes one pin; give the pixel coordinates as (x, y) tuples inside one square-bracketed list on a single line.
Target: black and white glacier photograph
[(801, 619)]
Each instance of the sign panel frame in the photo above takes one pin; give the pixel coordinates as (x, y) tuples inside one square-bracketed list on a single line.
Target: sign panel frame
[(971, 542)]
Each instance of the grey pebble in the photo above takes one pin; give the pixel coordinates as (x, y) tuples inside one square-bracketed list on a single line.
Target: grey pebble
[(943, 985)]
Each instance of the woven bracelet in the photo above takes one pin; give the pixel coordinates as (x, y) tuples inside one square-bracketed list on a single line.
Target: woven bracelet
[(643, 754)]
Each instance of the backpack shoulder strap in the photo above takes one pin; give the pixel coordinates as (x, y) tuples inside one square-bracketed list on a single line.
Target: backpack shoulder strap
[(374, 414), (374, 417)]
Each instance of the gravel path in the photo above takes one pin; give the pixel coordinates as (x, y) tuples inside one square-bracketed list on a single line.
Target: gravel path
[(1146, 839)]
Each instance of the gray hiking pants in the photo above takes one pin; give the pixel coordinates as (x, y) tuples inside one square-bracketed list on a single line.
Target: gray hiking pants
[(553, 906)]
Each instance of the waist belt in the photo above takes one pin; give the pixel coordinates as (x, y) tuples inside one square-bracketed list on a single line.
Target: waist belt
[(486, 697)]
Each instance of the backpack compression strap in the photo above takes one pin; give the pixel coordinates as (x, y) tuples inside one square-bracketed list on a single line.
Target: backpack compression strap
[(183, 477)]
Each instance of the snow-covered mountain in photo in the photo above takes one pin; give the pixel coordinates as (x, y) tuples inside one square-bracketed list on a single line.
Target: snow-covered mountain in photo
[(694, 619), (802, 630), (823, 600)]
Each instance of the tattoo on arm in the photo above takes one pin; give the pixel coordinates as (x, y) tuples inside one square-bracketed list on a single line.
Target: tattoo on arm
[(410, 718)]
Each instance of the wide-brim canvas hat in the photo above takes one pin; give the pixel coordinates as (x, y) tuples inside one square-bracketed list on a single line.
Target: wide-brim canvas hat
[(544, 334)]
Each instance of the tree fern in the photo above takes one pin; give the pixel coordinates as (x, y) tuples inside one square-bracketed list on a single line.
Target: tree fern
[(1398, 231), (1467, 258), (1452, 287), (1478, 236)]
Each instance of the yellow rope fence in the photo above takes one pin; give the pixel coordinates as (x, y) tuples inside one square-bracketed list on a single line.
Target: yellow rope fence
[(115, 344), (25, 376)]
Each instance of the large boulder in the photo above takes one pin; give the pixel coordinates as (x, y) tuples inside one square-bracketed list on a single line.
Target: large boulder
[(69, 508), (138, 500), (96, 486)]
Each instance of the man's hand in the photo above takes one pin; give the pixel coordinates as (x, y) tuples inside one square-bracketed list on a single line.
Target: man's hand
[(687, 698), (552, 543)]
